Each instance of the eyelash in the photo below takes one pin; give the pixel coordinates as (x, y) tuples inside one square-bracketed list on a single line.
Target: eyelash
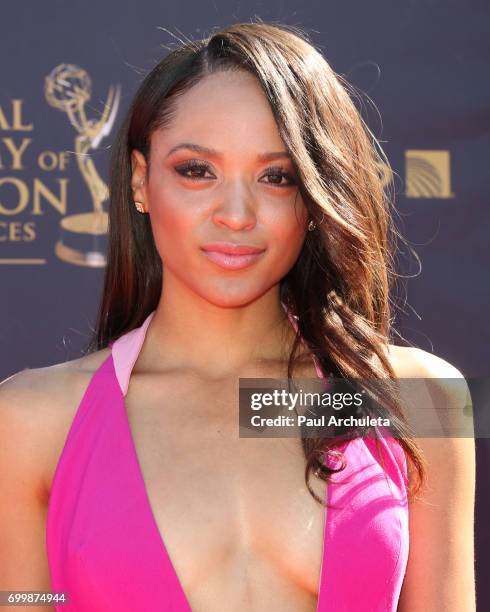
[(196, 165)]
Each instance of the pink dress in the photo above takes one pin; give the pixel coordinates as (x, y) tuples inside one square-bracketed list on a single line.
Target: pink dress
[(104, 548)]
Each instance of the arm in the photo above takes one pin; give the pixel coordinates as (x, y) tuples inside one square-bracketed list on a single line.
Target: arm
[(440, 573), (23, 562)]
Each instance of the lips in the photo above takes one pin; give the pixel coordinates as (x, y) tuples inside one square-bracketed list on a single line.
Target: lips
[(231, 249), (232, 256)]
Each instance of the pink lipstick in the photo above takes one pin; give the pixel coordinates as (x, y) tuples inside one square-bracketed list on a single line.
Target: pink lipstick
[(232, 256)]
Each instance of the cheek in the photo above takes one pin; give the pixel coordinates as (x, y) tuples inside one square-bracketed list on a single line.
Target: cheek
[(287, 233), (172, 225)]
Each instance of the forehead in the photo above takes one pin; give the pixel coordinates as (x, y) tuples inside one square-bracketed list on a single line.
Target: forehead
[(224, 109)]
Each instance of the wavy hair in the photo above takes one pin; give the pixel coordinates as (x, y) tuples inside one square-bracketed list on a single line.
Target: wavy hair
[(339, 287)]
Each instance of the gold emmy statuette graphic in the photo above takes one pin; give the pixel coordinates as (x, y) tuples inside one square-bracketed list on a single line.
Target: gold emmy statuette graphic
[(68, 88), (428, 174)]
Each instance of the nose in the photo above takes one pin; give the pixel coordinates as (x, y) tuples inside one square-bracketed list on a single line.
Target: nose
[(236, 207)]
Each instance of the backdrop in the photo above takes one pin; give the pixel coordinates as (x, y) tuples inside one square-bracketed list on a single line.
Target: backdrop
[(422, 66)]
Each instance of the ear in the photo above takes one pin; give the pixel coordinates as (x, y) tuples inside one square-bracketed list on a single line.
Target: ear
[(138, 177)]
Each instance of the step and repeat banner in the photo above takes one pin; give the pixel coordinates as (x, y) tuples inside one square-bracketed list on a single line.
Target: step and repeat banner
[(69, 70)]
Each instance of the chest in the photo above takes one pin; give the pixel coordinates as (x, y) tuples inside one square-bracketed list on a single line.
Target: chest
[(233, 513)]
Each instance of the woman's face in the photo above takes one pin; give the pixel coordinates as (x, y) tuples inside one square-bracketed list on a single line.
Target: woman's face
[(220, 175)]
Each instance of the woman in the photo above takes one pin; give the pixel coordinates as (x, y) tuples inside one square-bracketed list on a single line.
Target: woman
[(245, 205)]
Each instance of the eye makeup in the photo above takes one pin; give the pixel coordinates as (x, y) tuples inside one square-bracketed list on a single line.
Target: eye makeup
[(199, 168)]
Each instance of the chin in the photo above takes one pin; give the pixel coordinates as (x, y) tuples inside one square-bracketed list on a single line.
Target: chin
[(227, 299)]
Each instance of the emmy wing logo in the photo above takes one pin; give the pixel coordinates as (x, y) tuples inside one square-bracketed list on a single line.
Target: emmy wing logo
[(428, 174), (68, 88)]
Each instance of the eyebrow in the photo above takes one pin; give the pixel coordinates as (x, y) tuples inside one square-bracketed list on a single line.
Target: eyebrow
[(213, 153)]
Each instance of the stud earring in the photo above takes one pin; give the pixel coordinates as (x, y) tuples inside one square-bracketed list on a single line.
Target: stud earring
[(139, 205), (312, 225)]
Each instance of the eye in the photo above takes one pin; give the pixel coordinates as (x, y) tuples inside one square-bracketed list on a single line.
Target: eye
[(193, 169), (278, 174)]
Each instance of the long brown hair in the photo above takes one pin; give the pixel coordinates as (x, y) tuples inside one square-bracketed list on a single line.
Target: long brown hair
[(339, 287)]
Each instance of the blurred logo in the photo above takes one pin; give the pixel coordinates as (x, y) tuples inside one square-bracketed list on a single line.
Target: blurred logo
[(428, 174), (68, 88)]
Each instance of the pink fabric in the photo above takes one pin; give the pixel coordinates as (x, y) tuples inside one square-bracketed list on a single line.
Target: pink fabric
[(104, 547)]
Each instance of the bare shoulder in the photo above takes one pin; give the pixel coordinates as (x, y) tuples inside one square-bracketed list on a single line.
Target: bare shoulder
[(444, 454), (37, 407), (51, 382), (445, 379), (440, 572), (412, 362)]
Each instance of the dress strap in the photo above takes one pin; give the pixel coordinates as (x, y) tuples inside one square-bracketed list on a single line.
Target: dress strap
[(294, 323), (125, 351)]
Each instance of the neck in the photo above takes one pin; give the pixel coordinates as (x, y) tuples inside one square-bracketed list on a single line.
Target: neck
[(190, 332)]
